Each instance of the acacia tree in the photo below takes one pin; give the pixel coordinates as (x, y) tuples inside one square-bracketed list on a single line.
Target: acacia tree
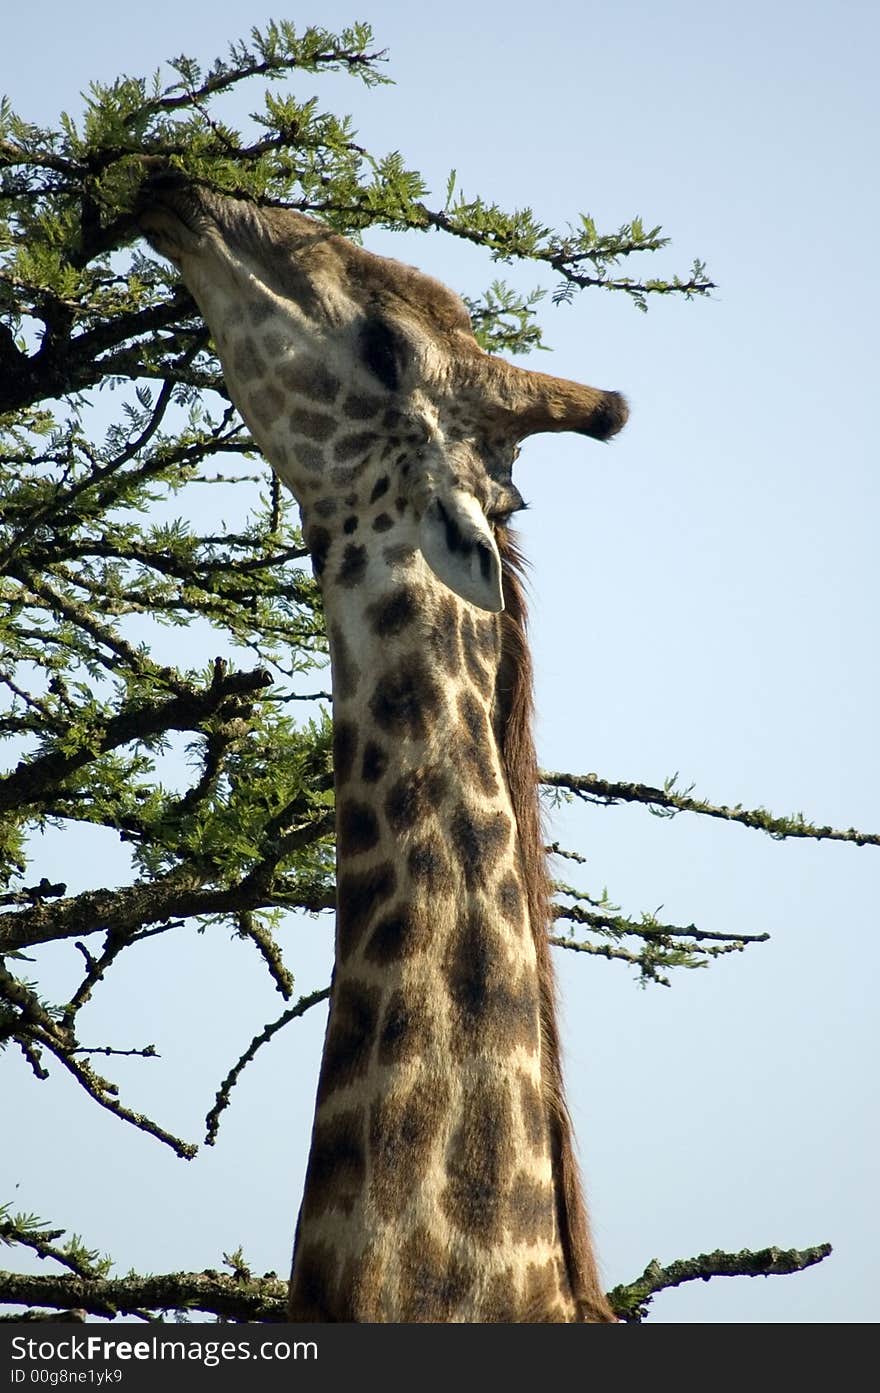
[(97, 567)]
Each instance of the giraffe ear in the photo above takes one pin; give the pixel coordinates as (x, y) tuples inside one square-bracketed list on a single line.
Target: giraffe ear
[(457, 543)]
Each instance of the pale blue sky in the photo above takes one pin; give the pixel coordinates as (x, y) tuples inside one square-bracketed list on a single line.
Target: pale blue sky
[(705, 596)]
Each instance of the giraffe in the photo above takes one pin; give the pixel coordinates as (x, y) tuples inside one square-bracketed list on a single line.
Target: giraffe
[(441, 1183)]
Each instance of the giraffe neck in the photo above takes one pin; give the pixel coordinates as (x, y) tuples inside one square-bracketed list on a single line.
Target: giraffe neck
[(433, 1186)]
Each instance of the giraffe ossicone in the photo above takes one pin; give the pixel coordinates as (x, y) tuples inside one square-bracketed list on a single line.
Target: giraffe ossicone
[(441, 1183)]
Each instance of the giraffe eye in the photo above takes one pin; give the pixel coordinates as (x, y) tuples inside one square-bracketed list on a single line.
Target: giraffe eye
[(380, 350)]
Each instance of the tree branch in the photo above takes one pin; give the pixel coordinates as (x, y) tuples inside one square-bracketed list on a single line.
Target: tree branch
[(619, 924), (103, 1094), (259, 1299), (23, 1229), (182, 894), (73, 365), (34, 778), (240, 1297), (212, 1121), (631, 1302), (592, 789)]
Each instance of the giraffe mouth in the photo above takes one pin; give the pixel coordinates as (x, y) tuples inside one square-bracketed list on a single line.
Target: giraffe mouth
[(174, 214)]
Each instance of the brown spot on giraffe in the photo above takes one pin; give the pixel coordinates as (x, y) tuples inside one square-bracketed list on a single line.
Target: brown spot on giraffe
[(249, 366), (318, 542), (346, 672), (393, 613), (444, 642), (355, 445), (400, 933), (411, 799), (530, 1213), (480, 1163), (434, 1282), (307, 456), (509, 898), (532, 1112), (481, 840), (541, 1302), (354, 566), (402, 554), (313, 1294), (403, 1131), (490, 1004), (357, 828), (474, 745), (359, 895), (258, 312), (266, 403), (407, 698), (375, 762), (407, 1027), (337, 1163), (310, 379), (480, 674), (313, 425), (362, 406), (501, 1302), (350, 1036), (361, 1288), (345, 744), (430, 867)]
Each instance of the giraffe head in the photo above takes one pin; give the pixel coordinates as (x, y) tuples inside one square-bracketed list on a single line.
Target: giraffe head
[(361, 377)]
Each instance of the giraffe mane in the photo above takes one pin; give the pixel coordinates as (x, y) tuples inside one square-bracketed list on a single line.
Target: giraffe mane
[(515, 714)]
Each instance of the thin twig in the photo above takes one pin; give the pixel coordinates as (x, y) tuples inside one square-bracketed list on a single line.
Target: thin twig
[(98, 1088), (619, 924), (212, 1121)]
